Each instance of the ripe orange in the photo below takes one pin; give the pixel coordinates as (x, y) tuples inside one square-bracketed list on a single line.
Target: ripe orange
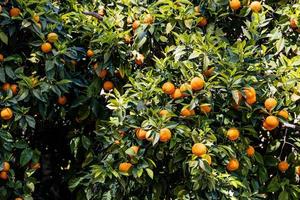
[(249, 92), (297, 170), (165, 135), (233, 134), (283, 166), (62, 100), (272, 121), (202, 22), (52, 37), (164, 113), (3, 175), (125, 167), (14, 88), (205, 108), (1, 57), (209, 72), (185, 88), (139, 60), (135, 149), (251, 100), (197, 83), (90, 53), (14, 12), (102, 73), (293, 23), (36, 18), (46, 47), (6, 86), (197, 9), (233, 165), (235, 4), (177, 94), (127, 39), (267, 127), (6, 114), (284, 114), (148, 19), (270, 103), (199, 149), (187, 112), (135, 24), (141, 134), (108, 85), (207, 158), (6, 166), (250, 151), (35, 166), (168, 88), (255, 6)]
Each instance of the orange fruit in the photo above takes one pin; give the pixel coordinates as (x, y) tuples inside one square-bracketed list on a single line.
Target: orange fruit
[(125, 167), (108, 85), (185, 88), (19, 198), (148, 19), (127, 39), (6, 166), (52, 37), (267, 127), (3, 175), (102, 73), (249, 92), (90, 53), (165, 135), (283, 166), (197, 9), (35, 166), (207, 158), (141, 134), (36, 18), (135, 24), (293, 23), (6, 86), (209, 72), (255, 6), (62, 100), (270, 103), (164, 113), (233, 134), (251, 100), (199, 149), (202, 22), (272, 121), (1, 57), (101, 11), (187, 112), (168, 88), (205, 108), (14, 88), (39, 25), (135, 149), (6, 114), (46, 47), (233, 165), (235, 4), (14, 12), (177, 94), (139, 60), (197, 83), (250, 151), (284, 114), (297, 170)]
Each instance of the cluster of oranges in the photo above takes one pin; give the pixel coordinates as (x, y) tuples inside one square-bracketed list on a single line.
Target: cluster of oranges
[(46, 47), (12, 87), (255, 6), (5, 170)]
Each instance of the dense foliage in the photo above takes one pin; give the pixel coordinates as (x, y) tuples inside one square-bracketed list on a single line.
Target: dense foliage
[(129, 99)]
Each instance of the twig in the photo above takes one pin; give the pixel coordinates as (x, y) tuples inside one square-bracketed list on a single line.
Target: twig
[(94, 14), (284, 142), (293, 126)]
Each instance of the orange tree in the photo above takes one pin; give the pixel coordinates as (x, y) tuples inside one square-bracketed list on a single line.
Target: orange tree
[(212, 87), (156, 99)]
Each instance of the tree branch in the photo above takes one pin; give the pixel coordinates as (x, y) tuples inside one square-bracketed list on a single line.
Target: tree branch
[(94, 14)]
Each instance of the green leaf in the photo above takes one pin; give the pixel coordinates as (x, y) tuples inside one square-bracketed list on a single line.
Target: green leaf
[(86, 143), (284, 195), (149, 172), (30, 120), (3, 38), (25, 157)]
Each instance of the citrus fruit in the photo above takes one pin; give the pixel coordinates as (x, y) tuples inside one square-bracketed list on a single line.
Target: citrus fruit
[(46, 47), (199, 149), (6, 113), (125, 167), (141, 134), (108, 85), (90, 53), (255, 6), (250, 151), (165, 135), (205, 108), (14, 12), (235, 4), (233, 134), (197, 83), (52, 37), (62, 100), (233, 165), (270, 103), (168, 88), (284, 114), (283, 166)]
